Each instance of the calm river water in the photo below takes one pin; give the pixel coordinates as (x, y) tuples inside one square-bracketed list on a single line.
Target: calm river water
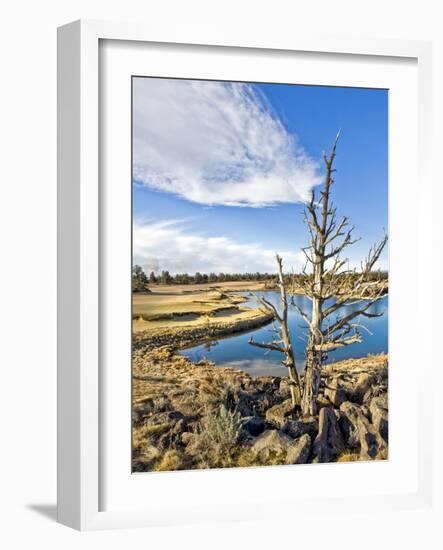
[(235, 351)]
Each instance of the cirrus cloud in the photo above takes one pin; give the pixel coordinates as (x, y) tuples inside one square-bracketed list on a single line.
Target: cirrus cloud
[(216, 143)]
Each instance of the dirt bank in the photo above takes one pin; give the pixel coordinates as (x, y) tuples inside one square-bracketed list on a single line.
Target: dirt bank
[(188, 415), (179, 335)]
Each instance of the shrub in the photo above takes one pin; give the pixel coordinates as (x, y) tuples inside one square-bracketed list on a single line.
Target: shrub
[(221, 428)]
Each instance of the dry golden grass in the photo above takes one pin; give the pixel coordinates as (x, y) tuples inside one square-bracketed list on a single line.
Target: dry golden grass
[(195, 319), (172, 460), (348, 456), (141, 434), (231, 286), (164, 300), (175, 308), (362, 364), (382, 455), (152, 305), (248, 458)]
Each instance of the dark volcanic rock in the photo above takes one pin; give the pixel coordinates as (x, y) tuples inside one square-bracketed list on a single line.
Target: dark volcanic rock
[(278, 414), (329, 442), (335, 393), (180, 427), (378, 408), (141, 409), (254, 425), (297, 428), (245, 403), (359, 432), (299, 450), (271, 442)]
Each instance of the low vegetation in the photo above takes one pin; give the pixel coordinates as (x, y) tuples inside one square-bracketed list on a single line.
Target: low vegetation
[(188, 416)]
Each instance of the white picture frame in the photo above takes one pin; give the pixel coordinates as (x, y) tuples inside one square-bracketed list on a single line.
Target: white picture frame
[(80, 255)]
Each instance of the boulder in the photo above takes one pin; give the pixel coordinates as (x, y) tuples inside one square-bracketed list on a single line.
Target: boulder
[(278, 414), (329, 442), (366, 386), (141, 409), (271, 443), (299, 450), (378, 408), (360, 433), (254, 425), (322, 401), (364, 382), (297, 428), (261, 404), (267, 384), (335, 393), (244, 403), (378, 388)]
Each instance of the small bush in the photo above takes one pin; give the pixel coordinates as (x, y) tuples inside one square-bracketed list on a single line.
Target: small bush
[(221, 428)]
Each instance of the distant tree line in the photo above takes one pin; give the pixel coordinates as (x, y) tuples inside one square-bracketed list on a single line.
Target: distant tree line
[(167, 278), (141, 281)]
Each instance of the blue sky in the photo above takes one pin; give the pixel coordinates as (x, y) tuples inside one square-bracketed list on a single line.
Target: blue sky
[(221, 171)]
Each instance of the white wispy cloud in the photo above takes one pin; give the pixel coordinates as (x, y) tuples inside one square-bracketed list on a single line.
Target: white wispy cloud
[(172, 246), (216, 143)]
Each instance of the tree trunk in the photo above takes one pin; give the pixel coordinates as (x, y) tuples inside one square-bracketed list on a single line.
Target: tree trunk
[(289, 361), (284, 343), (294, 387), (311, 384)]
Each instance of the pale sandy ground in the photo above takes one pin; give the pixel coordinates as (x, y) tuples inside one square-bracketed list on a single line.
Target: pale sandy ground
[(227, 287), (193, 305)]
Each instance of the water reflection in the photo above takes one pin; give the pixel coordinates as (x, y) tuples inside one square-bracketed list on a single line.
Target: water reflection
[(237, 353)]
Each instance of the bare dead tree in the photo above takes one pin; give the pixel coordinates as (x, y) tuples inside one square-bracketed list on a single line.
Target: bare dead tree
[(331, 287), (282, 343), (329, 279)]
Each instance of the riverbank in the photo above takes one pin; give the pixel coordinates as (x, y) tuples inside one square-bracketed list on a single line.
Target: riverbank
[(190, 416), (182, 316), (195, 415)]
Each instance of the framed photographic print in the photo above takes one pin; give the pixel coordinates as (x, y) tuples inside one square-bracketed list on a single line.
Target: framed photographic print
[(235, 222)]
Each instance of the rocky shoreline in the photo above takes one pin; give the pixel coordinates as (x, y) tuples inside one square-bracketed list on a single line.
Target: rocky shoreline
[(190, 416), (188, 335)]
